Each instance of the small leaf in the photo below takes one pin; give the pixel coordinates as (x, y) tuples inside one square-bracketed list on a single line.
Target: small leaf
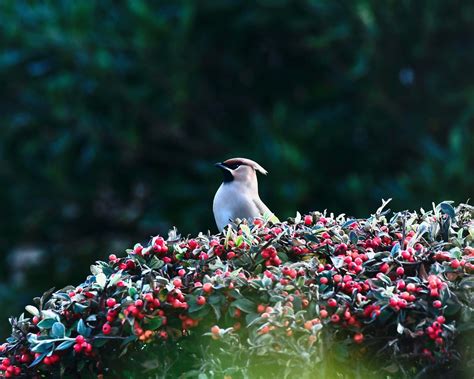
[(448, 209), (65, 345), (217, 311), (37, 360), (95, 270), (153, 323), (348, 223), (238, 241), (353, 237), (58, 330), (46, 323), (400, 328), (245, 305), (32, 310), (298, 218), (101, 279), (395, 249), (81, 327), (115, 278), (79, 308), (246, 230), (43, 347)]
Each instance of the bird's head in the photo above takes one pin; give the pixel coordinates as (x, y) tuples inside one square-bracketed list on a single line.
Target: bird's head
[(241, 170)]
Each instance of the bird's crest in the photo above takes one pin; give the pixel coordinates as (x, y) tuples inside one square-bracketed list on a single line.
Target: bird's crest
[(247, 162)]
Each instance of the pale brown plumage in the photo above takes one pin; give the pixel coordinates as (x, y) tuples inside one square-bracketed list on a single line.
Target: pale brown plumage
[(237, 197)]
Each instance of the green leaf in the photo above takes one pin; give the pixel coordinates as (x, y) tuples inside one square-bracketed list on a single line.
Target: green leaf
[(32, 310), (46, 323), (298, 218), (79, 308), (448, 209), (37, 360), (353, 237), (384, 278), (395, 249), (101, 279), (246, 230), (245, 305), (43, 347), (238, 241), (65, 345), (153, 323), (217, 310), (251, 317), (81, 327), (115, 278), (58, 330)]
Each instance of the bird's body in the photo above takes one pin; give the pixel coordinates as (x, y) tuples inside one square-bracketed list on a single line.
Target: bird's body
[(237, 197)]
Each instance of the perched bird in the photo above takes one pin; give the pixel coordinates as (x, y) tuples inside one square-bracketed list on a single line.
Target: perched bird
[(237, 197)]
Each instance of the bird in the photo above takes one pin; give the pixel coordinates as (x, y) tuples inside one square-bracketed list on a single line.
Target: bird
[(237, 196)]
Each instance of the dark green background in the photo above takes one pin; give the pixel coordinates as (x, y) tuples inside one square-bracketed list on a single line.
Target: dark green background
[(112, 114)]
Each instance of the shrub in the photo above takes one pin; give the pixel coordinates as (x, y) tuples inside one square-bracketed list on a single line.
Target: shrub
[(294, 298)]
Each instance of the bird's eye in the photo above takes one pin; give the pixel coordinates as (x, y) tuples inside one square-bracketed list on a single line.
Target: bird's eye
[(234, 166)]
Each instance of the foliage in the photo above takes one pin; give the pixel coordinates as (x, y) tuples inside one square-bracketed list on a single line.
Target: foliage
[(303, 87), (287, 299)]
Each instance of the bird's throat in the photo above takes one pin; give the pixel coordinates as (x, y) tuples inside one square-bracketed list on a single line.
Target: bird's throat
[(228, 177)]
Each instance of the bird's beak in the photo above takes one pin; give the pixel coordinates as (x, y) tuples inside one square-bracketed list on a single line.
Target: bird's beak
[(222, 166)]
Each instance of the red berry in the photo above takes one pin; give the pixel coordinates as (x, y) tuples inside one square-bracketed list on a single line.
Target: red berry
[(261, 308), (207, 287), (400, 271), (201, 300), (80, 339), (112, 258), (358, 337), (323, 313), (111, 302), (335, 318), (137, 249), (177, 283), (324, 280), (106, 329), (437, 304), (77, 348), (181, 272), (230, 255), (215, 330), (332, 302), (308, 220), (455, 264)]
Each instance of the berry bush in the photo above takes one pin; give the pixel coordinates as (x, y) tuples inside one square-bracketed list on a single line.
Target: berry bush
[(319, 294)]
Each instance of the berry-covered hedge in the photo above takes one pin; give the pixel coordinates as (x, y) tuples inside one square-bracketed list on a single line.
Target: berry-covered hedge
[(317, 295)]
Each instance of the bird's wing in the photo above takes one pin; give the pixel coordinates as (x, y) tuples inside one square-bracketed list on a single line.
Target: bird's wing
[(265, 211)]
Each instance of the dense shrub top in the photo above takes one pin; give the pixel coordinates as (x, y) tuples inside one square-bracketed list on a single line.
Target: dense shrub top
[(283, 298)]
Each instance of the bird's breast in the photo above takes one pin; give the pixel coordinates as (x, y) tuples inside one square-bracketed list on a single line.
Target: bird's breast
[(231, 202)]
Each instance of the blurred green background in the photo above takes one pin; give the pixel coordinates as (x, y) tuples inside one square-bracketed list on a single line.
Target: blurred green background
[(112, 114)]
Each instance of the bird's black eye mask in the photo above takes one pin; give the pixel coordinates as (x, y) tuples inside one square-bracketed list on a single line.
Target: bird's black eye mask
[(228, 177), (233, 166)]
